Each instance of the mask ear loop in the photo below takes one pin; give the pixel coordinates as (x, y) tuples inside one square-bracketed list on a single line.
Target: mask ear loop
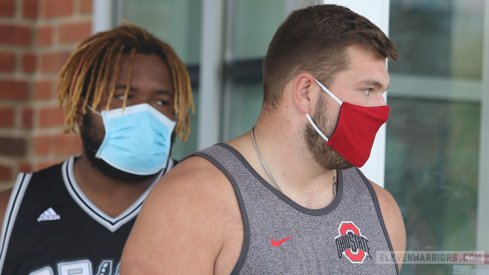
[(316, 127), (93, 110), (326, 90), (313, 124)]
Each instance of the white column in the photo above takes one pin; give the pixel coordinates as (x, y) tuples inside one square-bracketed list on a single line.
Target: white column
[(211, 60), (483, 190), (377, 11), (103, 11)]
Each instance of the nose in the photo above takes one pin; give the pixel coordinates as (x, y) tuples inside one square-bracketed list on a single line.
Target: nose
[(380, 100), (138, 99)]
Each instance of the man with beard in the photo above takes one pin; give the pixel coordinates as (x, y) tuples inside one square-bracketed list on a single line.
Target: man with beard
[(286, 197), (128, 94)]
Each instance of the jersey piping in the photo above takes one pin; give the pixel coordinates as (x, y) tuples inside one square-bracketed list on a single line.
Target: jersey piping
[(242, 209), (11, 212), (381, 219), (111, 223)]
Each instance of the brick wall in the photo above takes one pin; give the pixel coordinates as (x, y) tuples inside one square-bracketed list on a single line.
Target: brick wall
[(36, 37)]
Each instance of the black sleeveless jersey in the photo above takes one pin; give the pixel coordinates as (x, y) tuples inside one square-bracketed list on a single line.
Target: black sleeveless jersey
[(51, 227)]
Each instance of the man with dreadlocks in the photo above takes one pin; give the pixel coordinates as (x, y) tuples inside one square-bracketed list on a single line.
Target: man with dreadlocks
[(128, 95)]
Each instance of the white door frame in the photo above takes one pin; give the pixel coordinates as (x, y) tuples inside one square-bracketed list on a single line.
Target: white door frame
[(483, 190)]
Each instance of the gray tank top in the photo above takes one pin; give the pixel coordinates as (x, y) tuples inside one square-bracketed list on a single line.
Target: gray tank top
[(282, 237)]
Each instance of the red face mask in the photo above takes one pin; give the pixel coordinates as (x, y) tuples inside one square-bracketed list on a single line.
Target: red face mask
[(355, 130)]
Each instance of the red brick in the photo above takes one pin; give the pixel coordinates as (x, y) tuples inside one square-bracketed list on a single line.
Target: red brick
[(15, 35), (25, 167), (42, 90), (68, 144), (7, 8), (74, 32), (6, 172), (28, 62), (27, 118), (52, 62), (42, 145), (7, 62), (14, 90), (30, 9), (44, 164), (56, 8), (86, 6), (45, 36), (6, 116), (11, 147), (61, 145), (51, 117)]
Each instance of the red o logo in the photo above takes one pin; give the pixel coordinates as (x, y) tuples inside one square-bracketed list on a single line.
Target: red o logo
[(359, 255)]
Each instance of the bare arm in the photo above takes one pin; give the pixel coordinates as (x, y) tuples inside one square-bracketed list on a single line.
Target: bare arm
[(181, 229), (393, 221)]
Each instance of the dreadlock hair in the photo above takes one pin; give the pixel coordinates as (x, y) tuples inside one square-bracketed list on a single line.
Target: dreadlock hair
[(90, 73)]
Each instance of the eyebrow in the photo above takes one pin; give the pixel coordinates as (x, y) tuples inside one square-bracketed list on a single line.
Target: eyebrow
[(132, 89), (374, 83), (165, 92)]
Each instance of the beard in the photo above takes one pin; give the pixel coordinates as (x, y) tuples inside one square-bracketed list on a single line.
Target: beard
[(324, 155), (91, 144)]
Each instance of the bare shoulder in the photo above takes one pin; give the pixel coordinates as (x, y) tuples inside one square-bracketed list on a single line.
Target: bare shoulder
[(194, 178), (182, 226), (4, 199), (392, 219)]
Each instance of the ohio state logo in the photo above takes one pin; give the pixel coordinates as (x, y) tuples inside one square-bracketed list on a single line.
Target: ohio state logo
[(351, 243)]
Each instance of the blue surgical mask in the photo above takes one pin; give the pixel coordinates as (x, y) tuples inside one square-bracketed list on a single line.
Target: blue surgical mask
[(137, 139)]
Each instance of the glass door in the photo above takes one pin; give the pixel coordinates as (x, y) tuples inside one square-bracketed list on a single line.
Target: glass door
[(433, 144)]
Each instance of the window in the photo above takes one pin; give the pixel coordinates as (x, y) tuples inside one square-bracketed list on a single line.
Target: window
[(433, 136)]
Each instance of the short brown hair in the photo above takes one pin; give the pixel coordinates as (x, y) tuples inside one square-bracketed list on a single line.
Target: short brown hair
[(90, 73), (314, 39)]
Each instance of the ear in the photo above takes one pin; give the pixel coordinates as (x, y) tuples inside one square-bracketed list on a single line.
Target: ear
[(79, 113), (303, 86)]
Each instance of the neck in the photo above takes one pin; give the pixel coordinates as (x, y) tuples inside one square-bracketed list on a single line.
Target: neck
[(286, 155), (110, 195)]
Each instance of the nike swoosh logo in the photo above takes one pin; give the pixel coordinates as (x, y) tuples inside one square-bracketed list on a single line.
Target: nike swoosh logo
[(277, 243)]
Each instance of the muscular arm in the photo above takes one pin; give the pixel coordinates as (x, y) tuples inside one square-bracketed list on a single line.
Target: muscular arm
[(393, 221), (182, 226)]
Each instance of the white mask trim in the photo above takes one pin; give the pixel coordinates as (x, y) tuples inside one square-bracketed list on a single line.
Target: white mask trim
[(139, 108), (316, 127), (134, 109), (326, 90)]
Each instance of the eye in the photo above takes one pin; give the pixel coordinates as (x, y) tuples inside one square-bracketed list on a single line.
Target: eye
[(366, 91), (162, 102), (121, 97), (120, 92)]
